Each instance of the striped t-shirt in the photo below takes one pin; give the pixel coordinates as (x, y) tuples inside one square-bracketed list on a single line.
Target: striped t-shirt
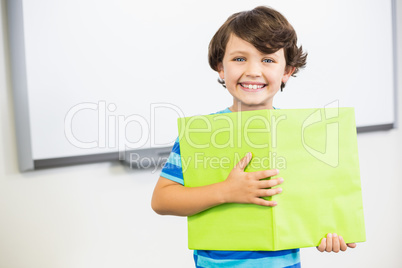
[(211, 258)]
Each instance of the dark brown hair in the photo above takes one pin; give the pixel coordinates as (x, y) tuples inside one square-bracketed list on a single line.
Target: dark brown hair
[(266, 29)]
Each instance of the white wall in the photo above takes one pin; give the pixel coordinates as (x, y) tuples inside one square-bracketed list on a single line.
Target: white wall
[(99, 215)]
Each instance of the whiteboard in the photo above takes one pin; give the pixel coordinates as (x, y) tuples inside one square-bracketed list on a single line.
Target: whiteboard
[(104, 77)]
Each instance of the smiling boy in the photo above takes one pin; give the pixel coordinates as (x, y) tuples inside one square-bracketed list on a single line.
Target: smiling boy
[(255, 53), (252, 77)]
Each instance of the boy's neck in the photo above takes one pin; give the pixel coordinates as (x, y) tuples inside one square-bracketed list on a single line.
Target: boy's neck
[(239, 107)]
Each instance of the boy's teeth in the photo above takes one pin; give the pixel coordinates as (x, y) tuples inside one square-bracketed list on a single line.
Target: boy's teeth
[(253, 86)]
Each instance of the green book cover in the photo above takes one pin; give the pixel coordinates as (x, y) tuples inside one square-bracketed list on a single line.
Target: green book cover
[(315, 151)]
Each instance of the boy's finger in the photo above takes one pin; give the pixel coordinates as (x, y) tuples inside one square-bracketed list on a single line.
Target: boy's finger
[(335, 243), (342, 244), (269, 192), (244, 161), (351, 245), (270, 183), (328, 248), (322, 245), (263, 202), (263, 174)]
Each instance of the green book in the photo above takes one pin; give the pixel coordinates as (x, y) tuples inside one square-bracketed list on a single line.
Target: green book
[(315, 151)]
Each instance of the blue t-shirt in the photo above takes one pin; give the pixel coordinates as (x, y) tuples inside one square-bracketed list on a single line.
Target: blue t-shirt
[(211, 258)]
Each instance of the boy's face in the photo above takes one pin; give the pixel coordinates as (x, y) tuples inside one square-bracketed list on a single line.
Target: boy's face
[(252, 78)]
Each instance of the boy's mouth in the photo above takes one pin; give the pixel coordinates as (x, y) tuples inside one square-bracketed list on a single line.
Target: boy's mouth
[(252, 87)]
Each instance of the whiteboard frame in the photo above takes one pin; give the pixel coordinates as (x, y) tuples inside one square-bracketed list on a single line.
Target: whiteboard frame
[(22, 117)]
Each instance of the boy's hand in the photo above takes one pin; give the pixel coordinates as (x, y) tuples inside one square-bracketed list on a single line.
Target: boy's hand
[(248, 187), (334, 243)]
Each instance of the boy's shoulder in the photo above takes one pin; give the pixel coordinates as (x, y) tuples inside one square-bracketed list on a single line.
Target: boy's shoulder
[(224, 111)]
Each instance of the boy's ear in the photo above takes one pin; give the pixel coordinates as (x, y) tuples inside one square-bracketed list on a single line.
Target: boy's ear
[(289, 70), (221, 71)]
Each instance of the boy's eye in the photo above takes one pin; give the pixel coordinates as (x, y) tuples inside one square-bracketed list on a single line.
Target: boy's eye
[(239, 59), (267, 60)]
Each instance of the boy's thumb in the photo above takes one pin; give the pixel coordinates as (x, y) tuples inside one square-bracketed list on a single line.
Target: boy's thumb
[(244, 161)]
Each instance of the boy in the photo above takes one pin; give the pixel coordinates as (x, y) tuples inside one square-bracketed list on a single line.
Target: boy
[(255, 53)]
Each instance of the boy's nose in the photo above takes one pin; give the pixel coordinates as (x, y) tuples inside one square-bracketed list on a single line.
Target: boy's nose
[(253, 69)]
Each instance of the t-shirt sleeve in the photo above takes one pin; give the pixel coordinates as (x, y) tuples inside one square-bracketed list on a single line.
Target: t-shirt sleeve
[(172, 169)]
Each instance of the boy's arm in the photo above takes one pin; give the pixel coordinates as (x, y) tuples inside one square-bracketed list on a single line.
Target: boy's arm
[(172, 198)]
